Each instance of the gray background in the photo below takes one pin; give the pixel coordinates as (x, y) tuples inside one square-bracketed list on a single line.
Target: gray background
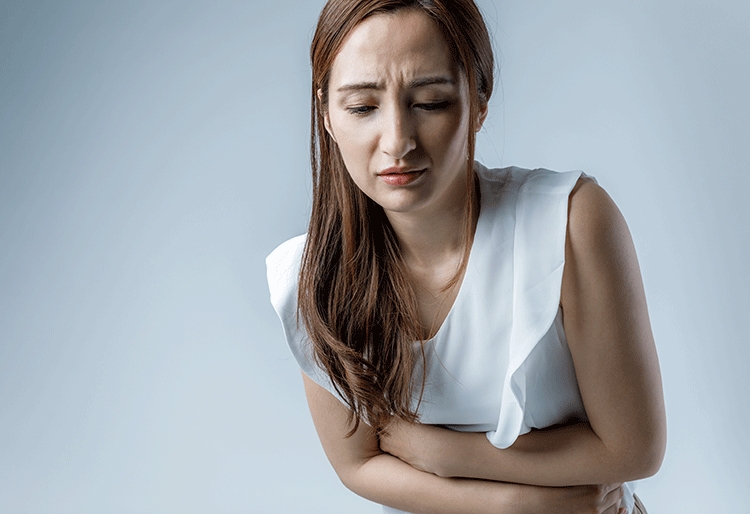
[(152, 154)]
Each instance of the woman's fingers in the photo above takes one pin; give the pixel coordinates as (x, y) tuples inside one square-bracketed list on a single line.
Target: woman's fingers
[(604, 498), (600, 499), (612, 500), (614, 495)]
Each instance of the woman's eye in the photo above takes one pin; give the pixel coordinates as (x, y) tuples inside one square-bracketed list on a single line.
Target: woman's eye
[(432, 106), (361, 110)]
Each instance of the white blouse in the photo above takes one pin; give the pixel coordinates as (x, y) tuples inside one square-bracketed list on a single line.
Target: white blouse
[(500, 363)]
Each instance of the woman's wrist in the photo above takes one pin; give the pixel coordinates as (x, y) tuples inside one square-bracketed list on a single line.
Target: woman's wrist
[(450, 452), (447, 458), (527, 499)]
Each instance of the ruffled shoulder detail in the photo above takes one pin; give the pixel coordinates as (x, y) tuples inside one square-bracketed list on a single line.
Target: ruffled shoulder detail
[(282, 272), (541, 212)]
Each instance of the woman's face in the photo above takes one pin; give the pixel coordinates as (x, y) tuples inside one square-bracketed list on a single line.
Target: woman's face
[(398, 108)]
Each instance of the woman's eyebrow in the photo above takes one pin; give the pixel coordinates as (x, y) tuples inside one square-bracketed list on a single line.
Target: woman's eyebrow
[(416, 83), (360, 86), (431, 81)]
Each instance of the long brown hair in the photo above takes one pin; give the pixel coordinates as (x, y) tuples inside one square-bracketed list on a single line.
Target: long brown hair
[(355, 299)]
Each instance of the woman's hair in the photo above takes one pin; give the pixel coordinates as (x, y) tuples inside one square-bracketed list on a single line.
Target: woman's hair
[(355, 298)]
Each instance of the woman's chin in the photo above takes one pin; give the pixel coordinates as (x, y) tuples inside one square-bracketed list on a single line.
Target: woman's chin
[(402, 202)]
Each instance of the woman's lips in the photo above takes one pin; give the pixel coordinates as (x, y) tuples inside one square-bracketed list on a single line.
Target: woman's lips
[(400, 177)]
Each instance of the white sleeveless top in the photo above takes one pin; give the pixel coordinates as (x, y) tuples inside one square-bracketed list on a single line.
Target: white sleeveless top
[(500, 362)]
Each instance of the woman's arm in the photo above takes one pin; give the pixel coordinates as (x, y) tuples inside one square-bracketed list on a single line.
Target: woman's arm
[(609, 335), (384, 479)]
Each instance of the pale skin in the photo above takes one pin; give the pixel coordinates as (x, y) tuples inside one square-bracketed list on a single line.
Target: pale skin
[(387, 110)]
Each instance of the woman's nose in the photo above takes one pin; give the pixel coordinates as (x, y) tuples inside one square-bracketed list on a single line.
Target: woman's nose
[(397, 138)]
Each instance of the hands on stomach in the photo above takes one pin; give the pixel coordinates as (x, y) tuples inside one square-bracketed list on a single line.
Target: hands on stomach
[(420, 447)]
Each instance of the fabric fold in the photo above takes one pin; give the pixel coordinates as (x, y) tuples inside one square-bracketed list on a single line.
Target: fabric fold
[(538, 262)]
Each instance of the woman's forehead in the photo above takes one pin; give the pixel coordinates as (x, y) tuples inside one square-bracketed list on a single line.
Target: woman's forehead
[(403, 47)]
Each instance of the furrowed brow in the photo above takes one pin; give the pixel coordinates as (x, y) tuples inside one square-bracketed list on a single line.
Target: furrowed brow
[(414, 84), (431, 81), (359, 86)]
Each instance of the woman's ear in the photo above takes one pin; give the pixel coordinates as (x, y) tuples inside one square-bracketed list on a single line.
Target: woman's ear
[(481, 115), (326, 119)]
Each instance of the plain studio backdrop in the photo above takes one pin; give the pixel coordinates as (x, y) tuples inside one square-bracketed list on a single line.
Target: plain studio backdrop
[(153, 153)]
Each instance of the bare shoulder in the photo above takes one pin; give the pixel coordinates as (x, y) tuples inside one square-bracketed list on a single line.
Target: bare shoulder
[(593, 215), (600, 260)]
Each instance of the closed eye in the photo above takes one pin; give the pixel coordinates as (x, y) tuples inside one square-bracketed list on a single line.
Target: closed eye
[(433, 106), (361, 110)]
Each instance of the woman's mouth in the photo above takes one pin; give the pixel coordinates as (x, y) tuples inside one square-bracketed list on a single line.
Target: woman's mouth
[(400, 176)]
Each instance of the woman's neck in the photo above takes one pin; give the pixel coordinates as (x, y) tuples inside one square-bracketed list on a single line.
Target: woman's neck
[(435, 238)]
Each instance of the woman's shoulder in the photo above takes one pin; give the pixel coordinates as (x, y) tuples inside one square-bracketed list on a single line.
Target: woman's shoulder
[(282, 266), (528, 177), (282, 273), (528, 182), (595, 224), (288, 250)]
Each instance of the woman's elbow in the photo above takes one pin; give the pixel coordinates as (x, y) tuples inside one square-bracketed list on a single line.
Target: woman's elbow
[(654, 456), (352, 475), (348, 477), (644, 457)]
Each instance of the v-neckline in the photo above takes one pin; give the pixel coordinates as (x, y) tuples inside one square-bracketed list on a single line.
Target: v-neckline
[(468, 272)]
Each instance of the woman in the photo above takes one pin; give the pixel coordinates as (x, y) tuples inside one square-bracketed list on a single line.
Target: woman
[(472, 340)]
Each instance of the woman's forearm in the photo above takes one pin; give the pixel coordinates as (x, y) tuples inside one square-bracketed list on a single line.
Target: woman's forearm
[(570, 455), (389, 481), (564, 456)]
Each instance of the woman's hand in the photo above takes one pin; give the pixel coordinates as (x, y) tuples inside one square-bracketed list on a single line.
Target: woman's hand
[(416, 444), (599, 499)]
